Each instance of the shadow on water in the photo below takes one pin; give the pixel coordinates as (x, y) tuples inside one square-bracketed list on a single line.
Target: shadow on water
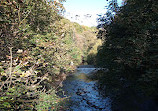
[(84, 93)]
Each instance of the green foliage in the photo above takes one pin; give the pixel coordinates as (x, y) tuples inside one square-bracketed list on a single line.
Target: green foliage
[(93, 50), (83, 39), (78, 28), (45, 46), (130, 48), (48, 100), (27, 28)]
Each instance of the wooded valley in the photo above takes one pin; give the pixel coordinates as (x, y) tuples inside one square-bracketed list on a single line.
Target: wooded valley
[(39, 48)]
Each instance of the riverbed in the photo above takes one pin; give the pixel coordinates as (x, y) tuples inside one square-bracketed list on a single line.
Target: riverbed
[(83, 93)]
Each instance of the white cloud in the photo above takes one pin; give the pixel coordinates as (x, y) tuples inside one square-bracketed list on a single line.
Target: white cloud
[(83, 18)]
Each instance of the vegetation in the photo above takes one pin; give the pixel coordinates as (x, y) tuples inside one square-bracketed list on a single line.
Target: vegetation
[(38, 49), (130, 50)]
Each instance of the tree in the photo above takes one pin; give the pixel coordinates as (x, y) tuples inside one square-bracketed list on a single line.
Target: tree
[(130, 47), (22, 85)]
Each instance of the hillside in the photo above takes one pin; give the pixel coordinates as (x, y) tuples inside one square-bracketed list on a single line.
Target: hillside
[(38, 49)]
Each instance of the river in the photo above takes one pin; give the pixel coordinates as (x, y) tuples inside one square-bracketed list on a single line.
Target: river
[(83, 93)]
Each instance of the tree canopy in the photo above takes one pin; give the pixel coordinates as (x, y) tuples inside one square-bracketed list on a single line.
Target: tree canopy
[(130, 46), (38, 49)]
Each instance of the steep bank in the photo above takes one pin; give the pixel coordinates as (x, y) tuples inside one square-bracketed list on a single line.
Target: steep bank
[(130, 52), (38, 48)]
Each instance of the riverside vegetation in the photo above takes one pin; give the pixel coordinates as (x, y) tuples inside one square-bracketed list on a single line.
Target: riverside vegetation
[(38, 48), (130, 52)]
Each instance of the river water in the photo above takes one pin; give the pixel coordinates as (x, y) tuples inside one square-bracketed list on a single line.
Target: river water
[(83, 93)]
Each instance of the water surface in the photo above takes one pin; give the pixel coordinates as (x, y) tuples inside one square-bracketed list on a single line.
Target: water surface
[(84, 93)]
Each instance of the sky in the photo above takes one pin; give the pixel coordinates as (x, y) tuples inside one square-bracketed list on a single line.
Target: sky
[(77, 10)]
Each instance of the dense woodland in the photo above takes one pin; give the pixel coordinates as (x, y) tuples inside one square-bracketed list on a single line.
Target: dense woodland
[(38, 48), (130, 52)]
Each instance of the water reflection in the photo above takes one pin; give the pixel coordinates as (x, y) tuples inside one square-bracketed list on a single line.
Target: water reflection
[(84, 93)]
